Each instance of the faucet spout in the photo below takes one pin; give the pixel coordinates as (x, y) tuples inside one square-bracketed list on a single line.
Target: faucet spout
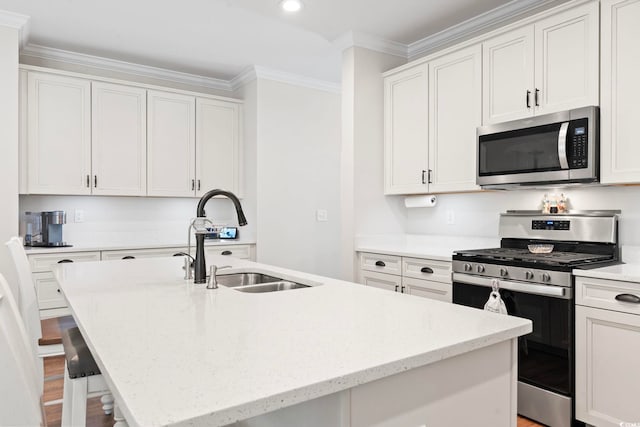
[(200, 270)]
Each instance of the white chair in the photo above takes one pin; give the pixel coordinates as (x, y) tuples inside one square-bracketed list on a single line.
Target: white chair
[(20, 386), (29, 300), (83, 379)]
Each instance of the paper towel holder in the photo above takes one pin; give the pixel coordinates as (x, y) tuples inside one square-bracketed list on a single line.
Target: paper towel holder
[(423, 201)]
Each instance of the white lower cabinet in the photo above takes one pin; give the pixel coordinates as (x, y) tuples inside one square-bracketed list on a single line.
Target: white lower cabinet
[(51, 302), (427, 289), (388, 282), (607, 349), (414, 276)]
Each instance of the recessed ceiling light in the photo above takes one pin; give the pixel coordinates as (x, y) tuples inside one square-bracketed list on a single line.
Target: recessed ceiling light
[(291, 5)]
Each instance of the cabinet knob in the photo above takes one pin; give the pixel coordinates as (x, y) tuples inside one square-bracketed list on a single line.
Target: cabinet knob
[(64, 261), (396, 289), (428, 270), (128, 257), (380, 264), (226, 253)]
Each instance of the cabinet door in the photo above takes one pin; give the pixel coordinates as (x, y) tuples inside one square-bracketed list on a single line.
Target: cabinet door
[(118, 140), (508, 76), (567, 59), (387, 282), (607, 375), (59, 134), (428, 289), (620, 91), (455, 111), (405, 131), (170, 144), (22, 133), (217, 146)]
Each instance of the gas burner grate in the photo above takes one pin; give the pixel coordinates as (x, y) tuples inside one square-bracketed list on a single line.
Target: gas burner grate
[(556, 258)]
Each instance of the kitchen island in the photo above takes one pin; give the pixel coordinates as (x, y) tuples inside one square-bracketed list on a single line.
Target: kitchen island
[(333, 354)]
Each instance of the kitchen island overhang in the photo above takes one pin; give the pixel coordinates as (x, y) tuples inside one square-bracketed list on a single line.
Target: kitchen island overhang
[(175, 353)]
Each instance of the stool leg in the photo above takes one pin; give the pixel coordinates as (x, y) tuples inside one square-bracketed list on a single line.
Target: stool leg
[(118, 417), (74, 402), (107, 403)]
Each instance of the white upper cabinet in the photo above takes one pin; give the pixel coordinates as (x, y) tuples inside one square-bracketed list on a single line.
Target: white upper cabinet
[(59, 134), (542, 68), (170, 144), (455, 104), (406, 132), (620, 91), (508, 76), (567, 59), (119, 139), (218, 154)]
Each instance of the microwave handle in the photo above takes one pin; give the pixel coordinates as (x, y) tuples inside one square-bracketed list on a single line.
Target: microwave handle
[(562, 145)]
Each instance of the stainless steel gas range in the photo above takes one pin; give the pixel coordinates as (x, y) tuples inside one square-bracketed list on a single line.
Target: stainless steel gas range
[(539, 286)]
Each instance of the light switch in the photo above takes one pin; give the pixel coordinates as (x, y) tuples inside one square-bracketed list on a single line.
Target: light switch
[(451, 217), (322, 215)]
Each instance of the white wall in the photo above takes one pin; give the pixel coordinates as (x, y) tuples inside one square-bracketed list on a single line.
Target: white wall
[(365, 210), (298, 161), (8, 145), (476, 214)]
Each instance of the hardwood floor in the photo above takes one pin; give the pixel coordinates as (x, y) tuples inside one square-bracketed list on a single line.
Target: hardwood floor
[(54, 367)]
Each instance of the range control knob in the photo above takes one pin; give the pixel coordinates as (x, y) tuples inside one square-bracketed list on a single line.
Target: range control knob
[(504, 272), (480, 268), (467, 267), (528, 274), (546, 277)]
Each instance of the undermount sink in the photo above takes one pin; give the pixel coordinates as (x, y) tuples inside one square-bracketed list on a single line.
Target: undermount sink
[(257, 283)]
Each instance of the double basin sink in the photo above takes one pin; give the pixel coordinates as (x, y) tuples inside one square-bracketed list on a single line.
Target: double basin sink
[(257, 282)]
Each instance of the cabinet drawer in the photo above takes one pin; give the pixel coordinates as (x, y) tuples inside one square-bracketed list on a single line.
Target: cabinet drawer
[(438, 271), (48, 292), (239, 251), (44, 262), (141, 253), (427, 289), (601, 293), (387, 282), (389, 264)]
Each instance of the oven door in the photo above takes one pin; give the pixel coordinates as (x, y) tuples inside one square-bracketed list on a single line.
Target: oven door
[(545, 355)]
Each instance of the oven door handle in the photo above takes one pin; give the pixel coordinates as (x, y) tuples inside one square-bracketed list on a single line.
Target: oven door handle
[(512, 285), (562, 145)]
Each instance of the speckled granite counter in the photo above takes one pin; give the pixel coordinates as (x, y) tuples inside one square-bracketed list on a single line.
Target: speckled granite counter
[(174, 353)]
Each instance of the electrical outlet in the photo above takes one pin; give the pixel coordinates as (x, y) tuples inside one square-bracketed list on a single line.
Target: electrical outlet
[(451, 217), (322, 215), (78, 215)]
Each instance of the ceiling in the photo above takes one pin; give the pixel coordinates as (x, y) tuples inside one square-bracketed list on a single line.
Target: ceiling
[(221, 38)]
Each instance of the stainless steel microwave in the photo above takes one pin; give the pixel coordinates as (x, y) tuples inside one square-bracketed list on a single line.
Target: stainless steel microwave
[(551, 149)]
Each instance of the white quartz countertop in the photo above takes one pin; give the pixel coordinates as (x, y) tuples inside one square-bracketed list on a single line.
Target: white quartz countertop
[(422, 246), (132, 246), (175, 353), (623, 272)]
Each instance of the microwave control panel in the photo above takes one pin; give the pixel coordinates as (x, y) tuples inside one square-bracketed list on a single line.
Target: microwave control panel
[(577, 143)]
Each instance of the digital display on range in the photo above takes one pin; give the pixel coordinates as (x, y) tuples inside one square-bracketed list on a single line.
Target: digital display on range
[(551, 225)]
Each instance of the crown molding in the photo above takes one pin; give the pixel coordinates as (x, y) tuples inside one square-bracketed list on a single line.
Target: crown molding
[(368, 41), (17, 21), (296, 79), (259, 72), (49, 53), (474, 25)]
